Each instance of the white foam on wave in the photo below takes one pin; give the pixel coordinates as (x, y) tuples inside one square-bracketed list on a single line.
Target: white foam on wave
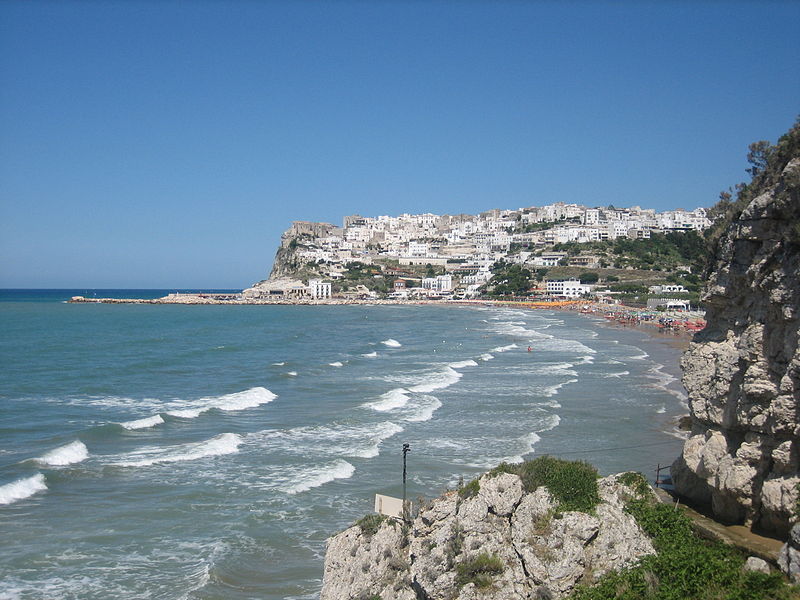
[(278, 364), (504, 348), (391, 343), (187, 413), (486, 356), (553, 389), (663, 380), (391, 400), (572, 346), (463, 363), (249, 398), (641, 356), (617, 375), (528, 442), (661, 410), (550, 423), (336, 364), (370, 355), (313, 477), (516, 329), (333, 440), (69, 454), (219, 445), (437, 381), (22, 488), (422, 408), (292, 373), (143, 423), (246, 399), (562, 368)]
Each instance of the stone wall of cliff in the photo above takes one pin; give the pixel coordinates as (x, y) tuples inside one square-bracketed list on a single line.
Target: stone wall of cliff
[(742, 372), (502, 543)]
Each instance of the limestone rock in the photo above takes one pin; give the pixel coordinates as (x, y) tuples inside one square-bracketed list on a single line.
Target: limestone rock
[(753, 563), (742, 372), (543, 553), (789, 557)]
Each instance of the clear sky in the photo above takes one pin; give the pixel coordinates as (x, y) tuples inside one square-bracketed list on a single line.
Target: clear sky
[(168, 144)]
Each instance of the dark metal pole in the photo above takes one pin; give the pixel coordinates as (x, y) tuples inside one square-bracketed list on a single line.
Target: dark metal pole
[(406, 450)]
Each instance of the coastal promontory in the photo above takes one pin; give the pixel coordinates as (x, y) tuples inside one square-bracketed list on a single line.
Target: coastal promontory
[(742, 372)]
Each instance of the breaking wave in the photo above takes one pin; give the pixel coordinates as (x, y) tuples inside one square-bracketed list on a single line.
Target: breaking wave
[(370, 355), (553, 389), (336, 364), (313, 477), (225, 443), (463, 363), (422, 408), (71, 453), (143, 423), (229, 402), (392, 399), (22, 488), (391, 343), (330, 440), (504, 348), (437, 381)]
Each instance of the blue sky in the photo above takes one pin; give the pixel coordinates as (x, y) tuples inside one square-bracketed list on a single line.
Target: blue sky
[(166, 144)]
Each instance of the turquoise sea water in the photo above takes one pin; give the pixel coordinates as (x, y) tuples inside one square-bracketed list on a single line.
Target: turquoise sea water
[(209, 451)]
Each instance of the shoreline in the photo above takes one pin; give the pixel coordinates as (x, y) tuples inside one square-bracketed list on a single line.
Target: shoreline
[(679, 326)]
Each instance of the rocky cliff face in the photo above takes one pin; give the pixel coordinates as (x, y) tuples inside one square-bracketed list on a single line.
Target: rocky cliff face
[(501, 543), (742, 372), (300, 235)]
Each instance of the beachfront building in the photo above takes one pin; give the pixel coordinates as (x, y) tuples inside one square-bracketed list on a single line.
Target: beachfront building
[(319, 289), (440, 283), (667, 289), (567, 288)]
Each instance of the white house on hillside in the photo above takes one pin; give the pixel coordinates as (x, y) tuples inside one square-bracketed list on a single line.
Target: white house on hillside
[(570, 288)]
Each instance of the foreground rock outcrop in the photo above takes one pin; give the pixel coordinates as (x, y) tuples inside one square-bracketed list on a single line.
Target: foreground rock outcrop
[(742, 373), (527, 549)]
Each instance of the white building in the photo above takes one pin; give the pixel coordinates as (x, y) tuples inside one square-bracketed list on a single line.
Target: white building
[(667, 289), (570, 288), (440, 283), (319, 289), (417, 249)]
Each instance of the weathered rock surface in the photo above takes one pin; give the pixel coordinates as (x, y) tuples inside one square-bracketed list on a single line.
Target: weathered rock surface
[(544, 554), (742, 372), (789, 557)]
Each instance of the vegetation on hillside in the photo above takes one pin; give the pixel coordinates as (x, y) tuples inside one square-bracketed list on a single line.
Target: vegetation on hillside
[(767, 162), (684, 566), (661, 252), (510, 280)]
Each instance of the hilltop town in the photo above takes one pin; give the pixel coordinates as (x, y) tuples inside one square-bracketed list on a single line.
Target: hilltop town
[(558, 250)]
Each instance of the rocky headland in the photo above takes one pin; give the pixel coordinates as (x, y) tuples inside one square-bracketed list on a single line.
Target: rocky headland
[(742, 372), (497, 540), (504, 539)]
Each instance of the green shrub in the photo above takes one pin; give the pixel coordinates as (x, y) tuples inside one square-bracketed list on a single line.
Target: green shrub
[(685, 566), (572, 483), (469, 490), (479, 570), (504, 467), (637, 481), (371, 523)]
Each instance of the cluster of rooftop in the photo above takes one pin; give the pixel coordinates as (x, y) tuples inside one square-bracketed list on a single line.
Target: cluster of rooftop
[(465, 247)]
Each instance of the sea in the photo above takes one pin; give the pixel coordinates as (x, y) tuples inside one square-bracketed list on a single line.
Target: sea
[(208, 452)]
